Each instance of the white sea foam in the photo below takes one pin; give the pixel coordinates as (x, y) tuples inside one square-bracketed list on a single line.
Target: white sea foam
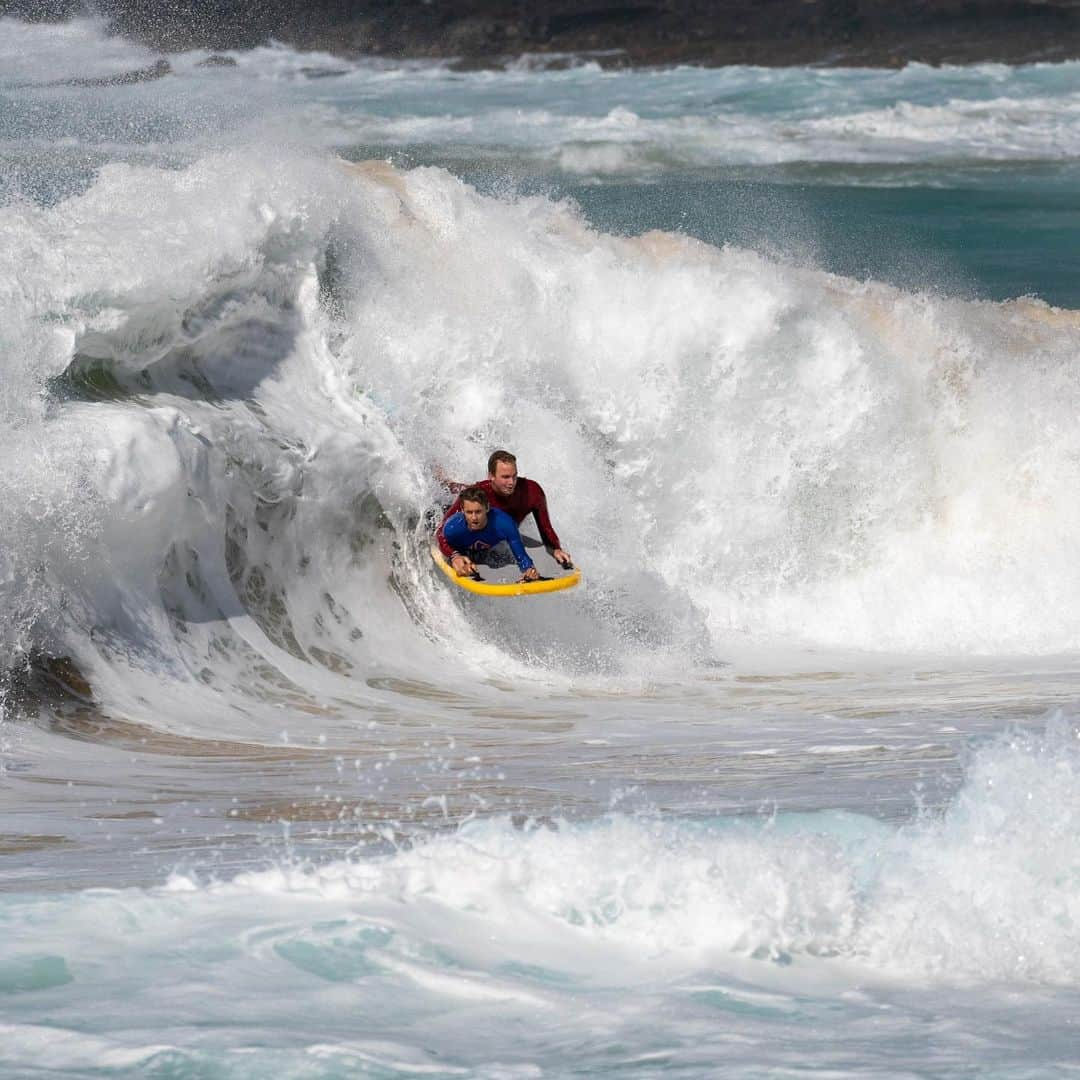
[(82, 48), (981, 894), (734, 937), (830, 459)]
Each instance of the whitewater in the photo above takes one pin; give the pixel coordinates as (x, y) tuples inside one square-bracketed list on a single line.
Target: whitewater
[(789, 786)]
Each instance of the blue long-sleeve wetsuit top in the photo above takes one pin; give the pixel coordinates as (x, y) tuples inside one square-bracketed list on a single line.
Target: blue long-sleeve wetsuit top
[(500, 526)]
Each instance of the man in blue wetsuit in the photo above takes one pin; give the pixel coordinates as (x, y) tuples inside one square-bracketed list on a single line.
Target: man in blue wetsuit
[(478, 526)]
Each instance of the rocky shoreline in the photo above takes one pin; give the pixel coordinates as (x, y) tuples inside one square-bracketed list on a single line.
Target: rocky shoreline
[(490, 33)]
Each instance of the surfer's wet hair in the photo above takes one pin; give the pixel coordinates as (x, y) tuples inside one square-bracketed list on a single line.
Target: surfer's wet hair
[(500, 455), (476, 495)]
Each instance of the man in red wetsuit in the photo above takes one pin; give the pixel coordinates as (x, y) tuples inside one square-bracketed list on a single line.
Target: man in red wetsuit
[(515, 494)]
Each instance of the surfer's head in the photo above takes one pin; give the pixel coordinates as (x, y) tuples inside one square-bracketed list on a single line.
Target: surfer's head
[(502, 471), (474, 505)]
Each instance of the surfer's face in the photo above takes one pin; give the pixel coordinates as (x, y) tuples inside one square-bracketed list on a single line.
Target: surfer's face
[(504, 478), (476, 515)]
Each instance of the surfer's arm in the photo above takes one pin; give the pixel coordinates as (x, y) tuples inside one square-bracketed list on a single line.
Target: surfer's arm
[(445, 546), (509, 533), (452, 486), (464, 566), (457, 559), (538, 506)]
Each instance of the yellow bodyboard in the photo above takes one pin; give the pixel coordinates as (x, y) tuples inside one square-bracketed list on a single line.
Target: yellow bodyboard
[(505, 588)]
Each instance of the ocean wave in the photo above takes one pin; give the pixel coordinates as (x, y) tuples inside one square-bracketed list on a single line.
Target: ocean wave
[(802, 458), (983, 893)]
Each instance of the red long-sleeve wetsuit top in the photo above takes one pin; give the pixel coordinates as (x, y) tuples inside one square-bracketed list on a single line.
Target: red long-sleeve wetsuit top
[(527, 498)]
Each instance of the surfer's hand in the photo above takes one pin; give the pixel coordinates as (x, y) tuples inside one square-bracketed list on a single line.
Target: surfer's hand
[(561, 557), (531, 574), (463, 565)]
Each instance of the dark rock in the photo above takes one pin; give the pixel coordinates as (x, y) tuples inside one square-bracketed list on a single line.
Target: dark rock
[(217, 61), (638, 32), (323, 73), (157, 70)]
